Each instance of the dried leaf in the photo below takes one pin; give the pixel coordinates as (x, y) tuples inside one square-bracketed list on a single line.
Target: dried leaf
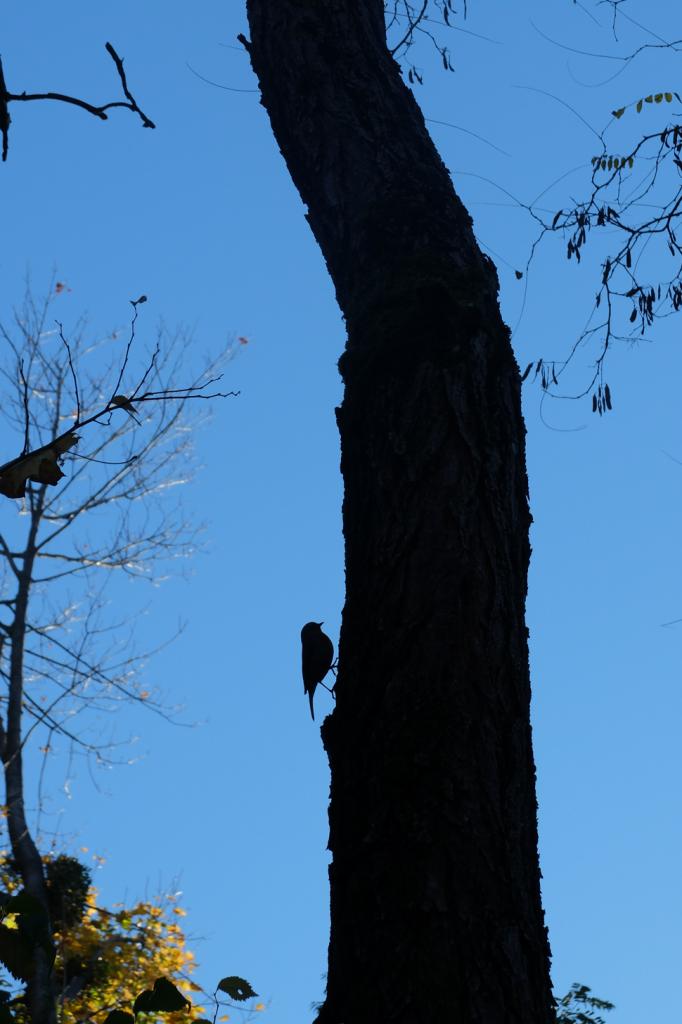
[(41, 466)]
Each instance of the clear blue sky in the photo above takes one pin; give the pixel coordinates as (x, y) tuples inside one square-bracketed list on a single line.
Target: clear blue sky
[(201, 215)]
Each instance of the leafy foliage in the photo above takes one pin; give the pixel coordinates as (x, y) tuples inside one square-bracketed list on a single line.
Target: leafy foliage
[(129, 962), (116, 954), (578, 1006), (104, 958), (68, 884), (657, 97)]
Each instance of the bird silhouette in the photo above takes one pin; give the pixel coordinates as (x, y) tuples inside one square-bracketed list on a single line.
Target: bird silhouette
[(124, 403), (317, 658)]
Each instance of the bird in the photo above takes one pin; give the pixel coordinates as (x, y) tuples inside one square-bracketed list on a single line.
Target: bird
[(124, 403), (317, 658)]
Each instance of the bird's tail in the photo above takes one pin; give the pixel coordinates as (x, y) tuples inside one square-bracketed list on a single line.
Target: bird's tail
[(310, 698)]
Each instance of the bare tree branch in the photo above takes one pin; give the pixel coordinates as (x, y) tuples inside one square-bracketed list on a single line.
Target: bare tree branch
[(130, 103), (43, 464)]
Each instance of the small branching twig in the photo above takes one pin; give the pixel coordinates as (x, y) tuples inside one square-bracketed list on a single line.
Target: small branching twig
[(130, 102), (650, 169), (413, 19)]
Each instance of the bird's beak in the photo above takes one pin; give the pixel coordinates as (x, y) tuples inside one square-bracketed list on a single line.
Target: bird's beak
[(320, 623)]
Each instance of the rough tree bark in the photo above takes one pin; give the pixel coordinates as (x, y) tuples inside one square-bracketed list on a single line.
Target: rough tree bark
[(435, 883)]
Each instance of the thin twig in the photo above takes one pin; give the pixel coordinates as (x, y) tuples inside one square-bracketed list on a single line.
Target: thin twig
[(118, 61), (73, 375), (24, 396), (413, 25)]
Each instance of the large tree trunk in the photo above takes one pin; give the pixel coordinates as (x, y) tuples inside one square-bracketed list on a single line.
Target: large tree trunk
[(435, 884)]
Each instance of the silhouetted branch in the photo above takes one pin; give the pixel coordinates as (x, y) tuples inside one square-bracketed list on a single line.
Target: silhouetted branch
[(412, 25), (100, 111), (417, 20), (635, 194), (71, 368), (24, 386)]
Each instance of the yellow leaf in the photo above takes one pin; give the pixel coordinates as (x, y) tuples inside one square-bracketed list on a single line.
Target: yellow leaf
[(259, 1006)]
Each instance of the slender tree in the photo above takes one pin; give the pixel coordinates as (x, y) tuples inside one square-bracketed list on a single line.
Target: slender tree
[(435, 883), (86, 514)]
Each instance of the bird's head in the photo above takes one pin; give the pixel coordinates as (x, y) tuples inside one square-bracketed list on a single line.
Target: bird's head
[(310, 628)]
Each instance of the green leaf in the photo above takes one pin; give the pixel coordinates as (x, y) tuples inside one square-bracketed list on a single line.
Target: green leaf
[(163, 998), (119, 1017), (236, 988), (648, 99), (658, 97), (668, 97), (619, 112), (631, 161), (639, 106)]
